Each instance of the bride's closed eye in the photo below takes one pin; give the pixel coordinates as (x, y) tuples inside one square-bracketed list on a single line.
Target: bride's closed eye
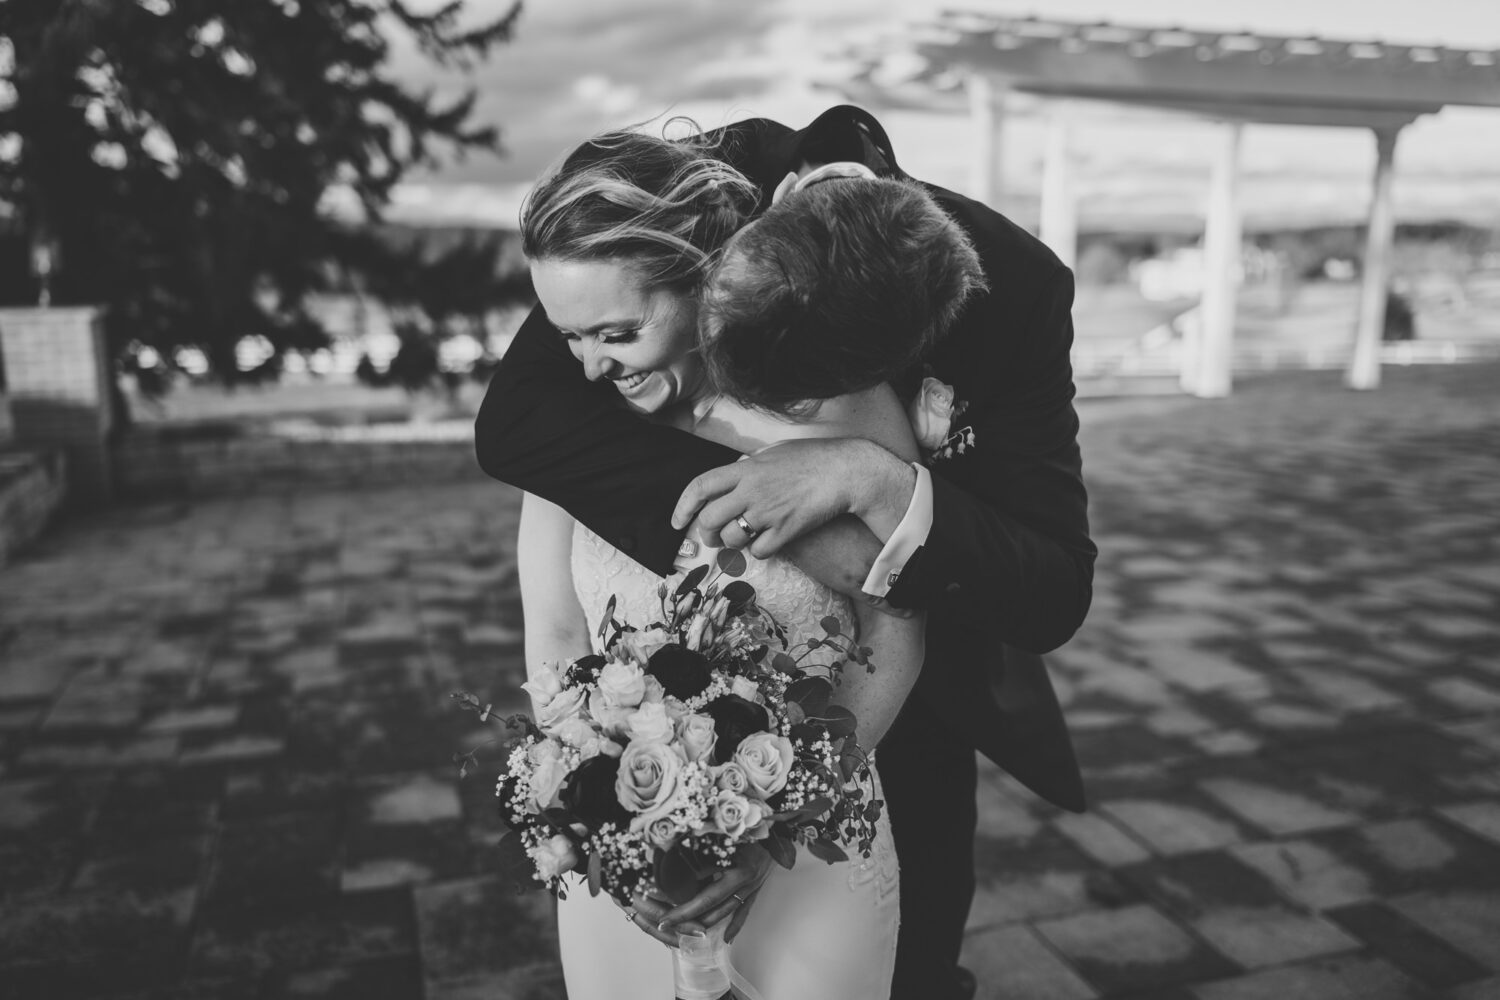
[(622, 337)]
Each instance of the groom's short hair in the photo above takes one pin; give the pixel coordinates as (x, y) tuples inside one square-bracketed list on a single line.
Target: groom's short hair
[(838, 287)]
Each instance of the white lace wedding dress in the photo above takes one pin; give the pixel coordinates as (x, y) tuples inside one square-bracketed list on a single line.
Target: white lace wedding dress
[(816, 932)]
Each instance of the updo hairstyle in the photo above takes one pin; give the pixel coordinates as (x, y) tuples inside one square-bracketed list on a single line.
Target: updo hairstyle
[(839, 287), (665, 206)]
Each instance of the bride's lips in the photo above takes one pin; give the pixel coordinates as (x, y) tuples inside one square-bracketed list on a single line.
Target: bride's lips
[(630, 384)]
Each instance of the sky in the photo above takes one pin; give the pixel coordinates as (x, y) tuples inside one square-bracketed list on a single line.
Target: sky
[(576, 67)]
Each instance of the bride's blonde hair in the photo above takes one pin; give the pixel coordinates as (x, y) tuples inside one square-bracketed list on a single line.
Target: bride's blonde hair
[(666, 206)]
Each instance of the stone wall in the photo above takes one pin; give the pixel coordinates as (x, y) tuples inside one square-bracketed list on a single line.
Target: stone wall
[(32, 488), (154, 464), (59, 382)]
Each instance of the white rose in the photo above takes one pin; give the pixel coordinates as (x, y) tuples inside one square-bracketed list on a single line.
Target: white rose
[(544, 686), (554, 857), (745, 688), (622, 683), (640, 645), (730, 777), (662, 832), (648, 782), (931, 413), (767, 760), (696, 735), (650, 722), (577, 732), (611, 718), (654, 691), (734, 815), (547, 779), (565, 705)]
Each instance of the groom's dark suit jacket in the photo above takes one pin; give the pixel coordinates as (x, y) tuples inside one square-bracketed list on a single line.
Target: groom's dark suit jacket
[(1007, 570)]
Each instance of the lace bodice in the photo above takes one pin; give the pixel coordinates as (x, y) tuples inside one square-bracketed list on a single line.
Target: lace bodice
[(792, 597)]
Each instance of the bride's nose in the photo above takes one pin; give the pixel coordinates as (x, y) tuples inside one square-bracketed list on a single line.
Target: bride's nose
[(597, 364)]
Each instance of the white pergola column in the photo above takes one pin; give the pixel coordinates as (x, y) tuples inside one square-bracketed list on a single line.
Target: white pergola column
[(1364, 361), (987, 121), (1059, 229), (1207, 365)]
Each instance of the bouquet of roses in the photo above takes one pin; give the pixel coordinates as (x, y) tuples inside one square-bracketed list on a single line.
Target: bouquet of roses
[(650, 763)]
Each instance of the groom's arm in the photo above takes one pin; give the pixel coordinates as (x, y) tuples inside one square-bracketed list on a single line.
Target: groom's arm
[(546, 429), (1009, 532), (1003, 533)]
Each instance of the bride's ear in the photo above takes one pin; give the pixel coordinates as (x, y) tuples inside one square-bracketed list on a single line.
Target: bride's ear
[(788, 183)]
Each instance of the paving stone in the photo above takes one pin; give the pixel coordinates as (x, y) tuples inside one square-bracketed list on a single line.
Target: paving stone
[(1177, 826), (1421, 955), (92, 944), (1468, 920), (414, 799), (1466, 695), (1011, 962), (1236, 910), (1488, 989), (1341, 978), (314, 934), (1102, 840), (1482, 818), (95, 701), (1030, 884), (1308, 873), (1347, 692), (477, 926), (1130, 948), (1274, 809), (398, 978), (201, 717), (240, 749), (1196, 669), (24, 678)]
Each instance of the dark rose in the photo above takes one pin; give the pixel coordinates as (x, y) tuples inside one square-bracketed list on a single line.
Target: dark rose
[(585, 670), (590, 793), (734, 719), (683, 673)]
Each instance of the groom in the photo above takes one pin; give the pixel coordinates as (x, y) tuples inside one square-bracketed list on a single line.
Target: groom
[(993, 538)]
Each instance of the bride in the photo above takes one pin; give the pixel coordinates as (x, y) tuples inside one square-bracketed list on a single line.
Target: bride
[(622, 240)]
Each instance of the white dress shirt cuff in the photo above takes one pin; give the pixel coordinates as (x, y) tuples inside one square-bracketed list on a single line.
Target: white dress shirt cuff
[(910, 535)]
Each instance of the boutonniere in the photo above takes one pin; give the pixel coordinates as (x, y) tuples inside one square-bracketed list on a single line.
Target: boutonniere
[(933, 412)]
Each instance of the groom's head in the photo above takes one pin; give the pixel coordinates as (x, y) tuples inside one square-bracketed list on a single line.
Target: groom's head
[(838, 287)]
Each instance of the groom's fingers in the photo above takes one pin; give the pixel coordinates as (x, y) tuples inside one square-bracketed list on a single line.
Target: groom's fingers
[(710, 485)]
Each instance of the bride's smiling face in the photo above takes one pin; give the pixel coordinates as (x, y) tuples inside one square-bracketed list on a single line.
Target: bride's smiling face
[(642, 339)]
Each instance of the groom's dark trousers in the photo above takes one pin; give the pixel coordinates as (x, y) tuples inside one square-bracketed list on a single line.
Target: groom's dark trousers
[(1006, 567)]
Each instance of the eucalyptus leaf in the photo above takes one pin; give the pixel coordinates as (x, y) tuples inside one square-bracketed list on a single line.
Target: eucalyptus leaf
[(732, 562), (694, 577), (827, 850), (782, 850)]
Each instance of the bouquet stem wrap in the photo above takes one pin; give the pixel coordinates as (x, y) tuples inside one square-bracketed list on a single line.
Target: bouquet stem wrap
[(700, 965)]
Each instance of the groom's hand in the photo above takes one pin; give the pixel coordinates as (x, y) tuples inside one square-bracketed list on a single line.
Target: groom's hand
[(788, 489), (728, 896)]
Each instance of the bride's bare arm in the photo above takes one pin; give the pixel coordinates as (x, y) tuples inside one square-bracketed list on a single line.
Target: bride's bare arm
[(555, 627)]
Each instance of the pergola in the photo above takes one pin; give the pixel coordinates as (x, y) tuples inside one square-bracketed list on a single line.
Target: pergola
[(1229, 78)]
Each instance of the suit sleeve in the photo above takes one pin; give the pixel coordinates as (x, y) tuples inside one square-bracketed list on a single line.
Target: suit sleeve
[(545, 429), (1009, 542)]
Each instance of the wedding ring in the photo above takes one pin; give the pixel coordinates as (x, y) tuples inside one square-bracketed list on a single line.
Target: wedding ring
[(739, 897), (745, 526)]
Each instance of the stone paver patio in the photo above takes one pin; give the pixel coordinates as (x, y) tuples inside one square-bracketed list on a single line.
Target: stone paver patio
[(225, 730)]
